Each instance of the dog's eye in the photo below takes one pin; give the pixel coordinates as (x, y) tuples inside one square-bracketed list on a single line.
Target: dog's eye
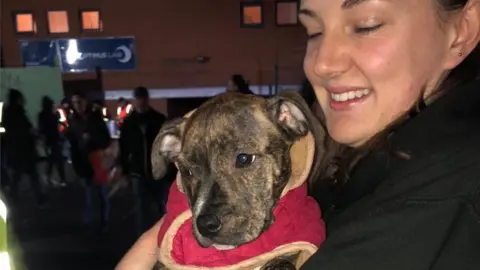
[(186, 172), (244, 160)]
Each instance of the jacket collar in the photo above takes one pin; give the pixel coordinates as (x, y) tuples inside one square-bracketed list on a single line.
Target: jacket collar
[(455, 115)]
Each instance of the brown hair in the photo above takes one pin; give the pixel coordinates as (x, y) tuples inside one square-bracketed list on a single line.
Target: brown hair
[(345, 158)]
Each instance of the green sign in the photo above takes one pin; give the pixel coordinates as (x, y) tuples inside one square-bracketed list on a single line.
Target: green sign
[(34, 83)]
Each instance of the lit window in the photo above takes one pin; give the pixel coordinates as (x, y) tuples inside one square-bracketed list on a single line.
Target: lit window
[(286, 12), (25, 23), (251, 14), (58, 22), (91, 20)]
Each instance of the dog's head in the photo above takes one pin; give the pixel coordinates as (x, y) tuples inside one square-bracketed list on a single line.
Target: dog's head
[(233, 154)]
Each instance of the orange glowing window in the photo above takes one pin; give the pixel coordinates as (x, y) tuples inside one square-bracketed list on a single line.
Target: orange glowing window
[(252, 14), (58, 22), (25, 23), (91, 20), (286, 12)]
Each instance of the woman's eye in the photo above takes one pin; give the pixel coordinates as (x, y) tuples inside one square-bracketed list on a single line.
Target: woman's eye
[(313, 36), (244, 160), (366, 30)]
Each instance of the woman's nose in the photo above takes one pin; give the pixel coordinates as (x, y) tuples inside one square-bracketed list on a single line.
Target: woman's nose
[(332, 56)]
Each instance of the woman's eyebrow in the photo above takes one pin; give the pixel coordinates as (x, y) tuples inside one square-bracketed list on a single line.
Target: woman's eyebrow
[(347, 4), (307, 12)]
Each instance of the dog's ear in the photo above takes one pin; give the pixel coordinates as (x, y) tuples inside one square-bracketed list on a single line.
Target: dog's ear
[(289, 111), (167, 146), (168, 142)]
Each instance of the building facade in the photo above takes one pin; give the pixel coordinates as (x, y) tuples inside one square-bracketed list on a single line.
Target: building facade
[(179, 45)]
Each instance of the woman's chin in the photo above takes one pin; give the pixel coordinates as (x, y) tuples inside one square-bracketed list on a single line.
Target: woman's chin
[(349, 135)]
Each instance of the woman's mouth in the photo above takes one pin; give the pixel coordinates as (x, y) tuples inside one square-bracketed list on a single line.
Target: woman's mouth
[(345, 100)]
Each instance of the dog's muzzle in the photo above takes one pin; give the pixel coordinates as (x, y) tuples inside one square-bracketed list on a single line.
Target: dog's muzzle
[(208, 225)]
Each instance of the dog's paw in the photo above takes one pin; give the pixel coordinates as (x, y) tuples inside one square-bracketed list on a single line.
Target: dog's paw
[(279, 264)]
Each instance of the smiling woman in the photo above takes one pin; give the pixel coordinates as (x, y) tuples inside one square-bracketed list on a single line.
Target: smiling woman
[(362, 64), (405, 103)]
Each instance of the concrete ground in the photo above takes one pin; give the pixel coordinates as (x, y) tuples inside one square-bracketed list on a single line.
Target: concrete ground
[(55, 238)]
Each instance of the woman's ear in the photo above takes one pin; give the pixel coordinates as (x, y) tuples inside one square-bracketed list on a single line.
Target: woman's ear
[(465, 33)]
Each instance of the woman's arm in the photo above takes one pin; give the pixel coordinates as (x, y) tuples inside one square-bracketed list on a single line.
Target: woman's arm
[(143, 254)]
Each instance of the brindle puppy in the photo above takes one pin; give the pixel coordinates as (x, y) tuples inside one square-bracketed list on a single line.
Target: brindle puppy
[(233, 154)]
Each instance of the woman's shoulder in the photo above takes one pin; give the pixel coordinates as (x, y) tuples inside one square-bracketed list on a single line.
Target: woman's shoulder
[(391, 205), (422, 210), (441, 145)]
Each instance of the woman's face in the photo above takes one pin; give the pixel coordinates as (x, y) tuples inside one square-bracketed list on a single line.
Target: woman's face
[(369, 61)]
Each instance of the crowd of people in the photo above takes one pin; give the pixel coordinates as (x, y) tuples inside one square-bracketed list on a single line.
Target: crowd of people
[(83, 133), (77, 132)]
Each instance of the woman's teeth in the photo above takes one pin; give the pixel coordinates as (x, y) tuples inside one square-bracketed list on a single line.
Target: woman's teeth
[(350, 95)]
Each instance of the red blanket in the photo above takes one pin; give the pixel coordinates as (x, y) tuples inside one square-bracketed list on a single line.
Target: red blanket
[(297, 219)]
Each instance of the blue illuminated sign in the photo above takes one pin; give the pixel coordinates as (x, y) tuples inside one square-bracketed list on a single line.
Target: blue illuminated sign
[(81, 55)]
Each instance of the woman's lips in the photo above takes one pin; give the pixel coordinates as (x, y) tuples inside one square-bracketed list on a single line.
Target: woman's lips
[(344, 100)]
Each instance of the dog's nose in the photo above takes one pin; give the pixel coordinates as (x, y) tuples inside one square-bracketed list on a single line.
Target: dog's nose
[(208, 224)]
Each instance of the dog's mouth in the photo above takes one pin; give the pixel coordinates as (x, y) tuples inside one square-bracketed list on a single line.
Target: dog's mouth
[(223, 247), (207, 242), (208, 235)]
